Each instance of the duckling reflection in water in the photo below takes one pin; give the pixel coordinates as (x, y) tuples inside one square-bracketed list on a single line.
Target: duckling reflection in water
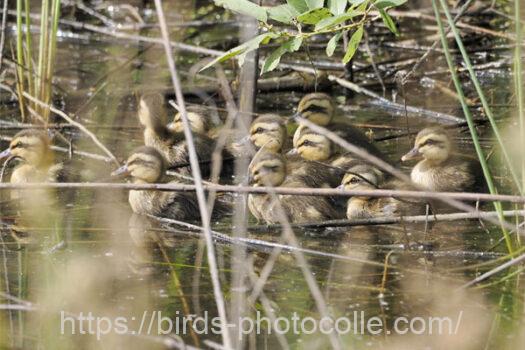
[(173, 145), (146, 165), (319, 109), (366, 177), (270, 169), (441, 170)]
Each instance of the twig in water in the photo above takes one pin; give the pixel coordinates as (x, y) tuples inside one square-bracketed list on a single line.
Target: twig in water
[(205, 215), (78, 125), (482, 197), (460, 13), (494, 271), (446, 118), (397, 220)]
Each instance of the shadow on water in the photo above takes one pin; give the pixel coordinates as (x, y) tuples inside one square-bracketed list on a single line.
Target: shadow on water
[(89, 253)]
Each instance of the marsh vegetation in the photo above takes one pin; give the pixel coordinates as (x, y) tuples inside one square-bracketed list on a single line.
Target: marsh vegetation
[(197, 230)]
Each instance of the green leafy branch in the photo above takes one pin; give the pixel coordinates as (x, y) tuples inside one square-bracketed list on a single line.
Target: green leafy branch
[(310, 18)]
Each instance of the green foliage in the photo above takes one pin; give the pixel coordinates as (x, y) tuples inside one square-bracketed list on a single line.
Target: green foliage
[(310, 18), (353, 44), (273, 60), (332, 44)]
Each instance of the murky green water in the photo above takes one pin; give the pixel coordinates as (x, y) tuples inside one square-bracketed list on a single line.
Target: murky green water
[(95, 256)]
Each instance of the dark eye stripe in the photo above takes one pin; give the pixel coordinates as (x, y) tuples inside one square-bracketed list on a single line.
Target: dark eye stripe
[(141, 162), (432, 142), (259, 130), (22, 145), (313, 108), (307, 143)]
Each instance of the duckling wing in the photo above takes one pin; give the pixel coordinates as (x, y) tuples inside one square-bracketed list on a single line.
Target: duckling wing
[(459, 174), (313, 174), (308, 208), (178, 205)]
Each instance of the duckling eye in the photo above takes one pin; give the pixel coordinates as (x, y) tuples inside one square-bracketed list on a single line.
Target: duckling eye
[(259, 130), (308, 143), (355, 180), (272, 168), (19, 145), (430, 143)]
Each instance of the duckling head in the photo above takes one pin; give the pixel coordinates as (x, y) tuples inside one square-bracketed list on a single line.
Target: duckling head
[(152, 114), (144, 165), (316, 107), (362, 177), (432, 144), (268, 131), (30, 146), (314, 146), (267, 169), (196, 118)]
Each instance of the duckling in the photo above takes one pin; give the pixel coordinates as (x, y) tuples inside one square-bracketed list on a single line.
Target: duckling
[(441, 170), (147, 165), (32, 148), (317, 147), (366, 177), (269, 169), (269, 130), (319, 109), (173, 145)]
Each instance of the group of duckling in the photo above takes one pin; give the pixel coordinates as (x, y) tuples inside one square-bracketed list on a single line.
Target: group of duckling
[(308, 159)]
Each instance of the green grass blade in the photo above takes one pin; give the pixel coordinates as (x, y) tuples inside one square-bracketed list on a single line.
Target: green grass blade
[(20, 57)]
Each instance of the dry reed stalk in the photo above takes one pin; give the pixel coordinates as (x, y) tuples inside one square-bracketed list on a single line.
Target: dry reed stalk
[(205, 215)]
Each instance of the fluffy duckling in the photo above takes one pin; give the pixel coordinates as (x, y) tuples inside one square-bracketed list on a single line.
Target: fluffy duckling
[(270, 169), (32, 148), (269, 131), (317, 147), (147, 165), (173, 145), (319, 109), (366, 177), (440, 169)]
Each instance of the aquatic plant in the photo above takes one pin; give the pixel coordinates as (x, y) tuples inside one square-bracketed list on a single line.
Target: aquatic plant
[(36, 80), (336, 18)]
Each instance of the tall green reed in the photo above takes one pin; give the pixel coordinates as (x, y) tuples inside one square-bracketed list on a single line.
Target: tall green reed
[(36, 80)]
